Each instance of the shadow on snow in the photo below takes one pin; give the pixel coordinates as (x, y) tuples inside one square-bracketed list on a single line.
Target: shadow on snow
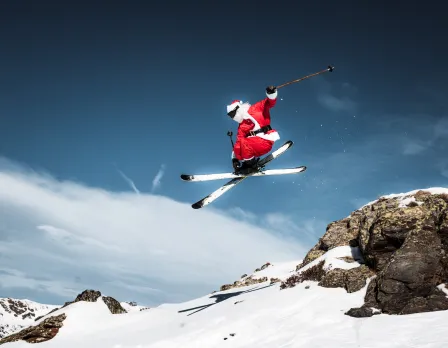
[(222, 297)]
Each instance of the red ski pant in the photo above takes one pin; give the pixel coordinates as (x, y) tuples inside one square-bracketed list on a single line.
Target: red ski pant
[(246, 148)]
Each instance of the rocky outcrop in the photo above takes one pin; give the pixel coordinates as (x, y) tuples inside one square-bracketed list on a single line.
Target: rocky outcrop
[(246, 282), (401, 243), (351, 280), (45, 331), (16, 314), (405, 246), (267, 264), (93, 295), (249, 280), (314, 273), (49, 327), (113, 305)]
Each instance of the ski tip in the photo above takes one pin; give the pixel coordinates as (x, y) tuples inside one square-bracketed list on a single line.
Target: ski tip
[(187, 177), (288, 143), (197, 205)]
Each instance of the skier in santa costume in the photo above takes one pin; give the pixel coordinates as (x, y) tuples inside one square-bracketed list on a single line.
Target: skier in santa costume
[(255, 136)]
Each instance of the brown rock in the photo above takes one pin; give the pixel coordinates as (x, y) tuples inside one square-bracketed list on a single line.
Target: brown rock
[(333, 279), (414, 271), (314, 273), (267, 264), (113, 305), (387, 233), (437, 301), (351, 280), (361, 312), (44, 331), (312, 255), (421, 195), (406, 247), (88, 296), (339, 233), (356, 278), (248, 281)]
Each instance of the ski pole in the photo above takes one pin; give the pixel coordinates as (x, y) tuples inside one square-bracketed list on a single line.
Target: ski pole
[(330, 69), (229, 133)]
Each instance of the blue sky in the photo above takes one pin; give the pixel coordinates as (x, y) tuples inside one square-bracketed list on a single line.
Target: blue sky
[(102, 94)]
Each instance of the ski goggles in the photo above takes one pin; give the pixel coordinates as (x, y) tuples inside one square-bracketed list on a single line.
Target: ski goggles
[(232, 113)]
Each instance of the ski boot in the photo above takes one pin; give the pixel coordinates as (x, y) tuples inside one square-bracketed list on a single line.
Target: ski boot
[(245, 167)]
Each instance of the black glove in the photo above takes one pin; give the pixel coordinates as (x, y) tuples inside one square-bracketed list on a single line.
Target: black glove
[(271, 89)]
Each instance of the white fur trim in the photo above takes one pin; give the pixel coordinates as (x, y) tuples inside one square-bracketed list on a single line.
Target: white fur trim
[(238, 117), (273, 95), (242, 114), (232, 106), (273, 136)]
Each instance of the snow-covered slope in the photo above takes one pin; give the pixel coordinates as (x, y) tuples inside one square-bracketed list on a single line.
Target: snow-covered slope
[(260, 315), (16, 314), (132, 307)]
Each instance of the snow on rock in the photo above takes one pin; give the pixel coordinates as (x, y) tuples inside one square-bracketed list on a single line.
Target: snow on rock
[(133, 307), (403, 240), (16, 314), (336, 268), (89, 307), (407, 197), (267, 272)]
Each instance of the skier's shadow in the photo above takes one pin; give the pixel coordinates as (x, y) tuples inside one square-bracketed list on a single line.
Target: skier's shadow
[(222, 297)]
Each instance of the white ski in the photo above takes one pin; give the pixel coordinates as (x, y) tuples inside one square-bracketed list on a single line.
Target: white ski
[(235, 181), (219, 176)]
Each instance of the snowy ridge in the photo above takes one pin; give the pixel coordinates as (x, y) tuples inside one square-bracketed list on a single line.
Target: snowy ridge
[(132, 307), (407, 197), (261, 315), (16, 314)]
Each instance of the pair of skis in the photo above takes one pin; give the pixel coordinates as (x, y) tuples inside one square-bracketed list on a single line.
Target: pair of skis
[(238, 178)]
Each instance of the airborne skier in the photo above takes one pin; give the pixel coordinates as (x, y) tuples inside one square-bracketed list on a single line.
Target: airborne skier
[(255, 136), (254, 139)]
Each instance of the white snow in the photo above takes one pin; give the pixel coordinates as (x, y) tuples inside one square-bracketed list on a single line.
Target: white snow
[(404, 202), (404, 199), (444, 288), (284, 269), (132, 308), (261, 316)]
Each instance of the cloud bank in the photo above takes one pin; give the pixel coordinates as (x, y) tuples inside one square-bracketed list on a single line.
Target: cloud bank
[(58, 238)]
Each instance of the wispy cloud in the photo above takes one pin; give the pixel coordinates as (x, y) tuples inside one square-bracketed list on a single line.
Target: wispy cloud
[(429, 131), (156, 182), (129, 181), (284, 225), (415, 147), (442, 166), (444, 172), (336, 97), (12, 278), (334, 103), (121, 243)]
